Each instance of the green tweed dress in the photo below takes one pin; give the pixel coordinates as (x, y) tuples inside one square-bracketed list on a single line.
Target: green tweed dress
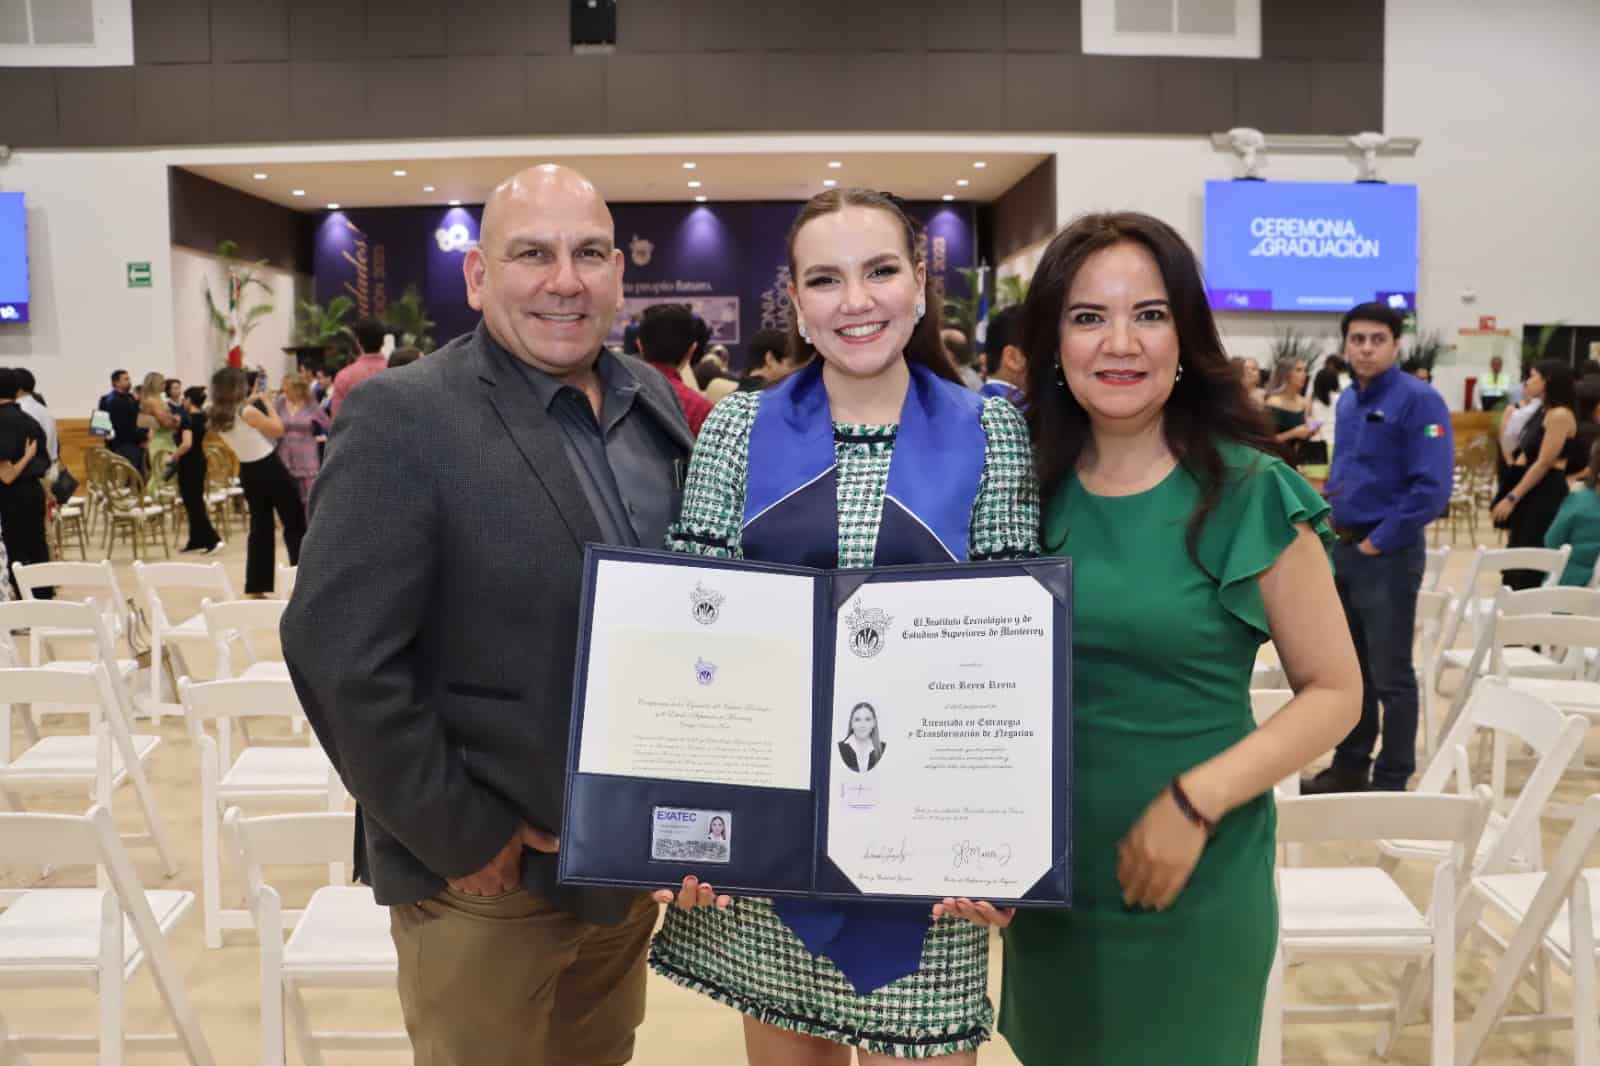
[(746, 957)]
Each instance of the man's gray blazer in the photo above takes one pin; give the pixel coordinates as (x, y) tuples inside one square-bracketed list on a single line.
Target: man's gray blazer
[(433, 627)]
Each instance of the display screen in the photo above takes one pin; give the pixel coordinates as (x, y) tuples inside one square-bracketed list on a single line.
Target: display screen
[(1310, 246), (13, 259)]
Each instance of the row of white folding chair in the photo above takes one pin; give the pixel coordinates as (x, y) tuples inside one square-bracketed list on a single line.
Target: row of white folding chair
[(108, 753), (1552, 915), (1361, 911), (340, 940), (90, 580), (1468, 606), (260, 774), (95, 937), (1497, 710), (93, 583), (1515, 625)]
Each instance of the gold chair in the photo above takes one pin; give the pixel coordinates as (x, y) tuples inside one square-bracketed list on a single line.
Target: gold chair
[(219, 467), (130, 508)]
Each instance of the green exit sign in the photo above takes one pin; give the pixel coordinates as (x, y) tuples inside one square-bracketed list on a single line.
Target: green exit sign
[(138, 275)]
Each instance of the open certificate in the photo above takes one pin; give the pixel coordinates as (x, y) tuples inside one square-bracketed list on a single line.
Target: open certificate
[(897, 733)]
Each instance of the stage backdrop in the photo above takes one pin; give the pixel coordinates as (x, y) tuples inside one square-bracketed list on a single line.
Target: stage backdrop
[(725, 260)]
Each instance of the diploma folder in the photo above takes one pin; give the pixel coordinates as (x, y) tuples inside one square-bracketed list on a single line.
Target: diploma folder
[(626, 830)]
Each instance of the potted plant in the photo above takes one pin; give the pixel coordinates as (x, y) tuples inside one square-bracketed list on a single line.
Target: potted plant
[(322, 339), (408, 320), (233, 318)]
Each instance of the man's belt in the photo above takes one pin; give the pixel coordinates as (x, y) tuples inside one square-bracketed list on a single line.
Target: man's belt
[(1353, 534)]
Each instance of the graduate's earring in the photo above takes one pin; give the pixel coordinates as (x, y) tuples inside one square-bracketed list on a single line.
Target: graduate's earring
[(800, 325), (1061, 379), (922, 309), (1179, 375)]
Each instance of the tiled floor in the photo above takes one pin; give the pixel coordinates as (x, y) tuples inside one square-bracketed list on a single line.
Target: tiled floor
[(681, 1029)]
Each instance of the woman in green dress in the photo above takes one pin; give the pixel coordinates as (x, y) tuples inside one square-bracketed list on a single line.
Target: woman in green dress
[(871, 455), (1192, 543)]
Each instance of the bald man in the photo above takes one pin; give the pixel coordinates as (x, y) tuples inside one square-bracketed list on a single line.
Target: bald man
[(432, 633)]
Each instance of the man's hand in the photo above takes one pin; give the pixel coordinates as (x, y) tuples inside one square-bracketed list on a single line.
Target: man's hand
[(503, 873), (1366, 547)]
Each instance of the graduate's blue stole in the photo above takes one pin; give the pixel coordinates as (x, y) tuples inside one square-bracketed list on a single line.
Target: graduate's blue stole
[(791, 516)]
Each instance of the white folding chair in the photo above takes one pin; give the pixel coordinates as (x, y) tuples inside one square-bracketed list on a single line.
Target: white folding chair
[(239, 622), (260, 775), (99, 938), (98, 761), (75, 583), (1432, 606), (1470, 607), (1501, 650), (1553, 917), (1511, 840), (1361, 911), (1264, 703), (340, 940), (62, 620), (285, 586), (1433, 567), (168, 637)]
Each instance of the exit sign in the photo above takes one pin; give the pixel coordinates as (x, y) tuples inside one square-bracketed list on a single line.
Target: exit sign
[(138, 275)]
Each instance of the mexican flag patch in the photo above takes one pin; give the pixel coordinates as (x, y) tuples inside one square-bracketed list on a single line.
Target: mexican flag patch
[(1433, 429)]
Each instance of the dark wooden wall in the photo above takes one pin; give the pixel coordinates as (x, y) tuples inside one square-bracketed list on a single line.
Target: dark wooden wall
[(246, 71)]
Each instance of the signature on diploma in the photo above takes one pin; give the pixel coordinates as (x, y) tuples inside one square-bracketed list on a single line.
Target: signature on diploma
[(965, 854), (888, 854)]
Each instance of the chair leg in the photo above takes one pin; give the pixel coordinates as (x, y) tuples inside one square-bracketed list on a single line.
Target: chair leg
[(1585, 1008), (112, 981), (299, 1021), (1444, 989), (211, 869)]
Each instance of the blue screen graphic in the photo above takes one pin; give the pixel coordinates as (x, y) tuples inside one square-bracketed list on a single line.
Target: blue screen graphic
[(13, 259), (1304, 246)]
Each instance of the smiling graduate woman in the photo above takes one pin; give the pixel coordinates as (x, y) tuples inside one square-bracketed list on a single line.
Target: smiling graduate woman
[(871, 455), (1191, 544)]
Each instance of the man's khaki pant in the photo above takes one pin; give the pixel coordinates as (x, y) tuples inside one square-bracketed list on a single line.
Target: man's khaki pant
[(512, 981)]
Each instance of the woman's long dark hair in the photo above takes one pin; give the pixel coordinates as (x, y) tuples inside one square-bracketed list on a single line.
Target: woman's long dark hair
[(1324, 385), (1560, 387), (1208, 404), (925, 346), (229, 387)]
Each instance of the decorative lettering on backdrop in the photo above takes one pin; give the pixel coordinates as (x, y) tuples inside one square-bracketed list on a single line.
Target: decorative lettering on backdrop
[(776, 309), (358, 287)]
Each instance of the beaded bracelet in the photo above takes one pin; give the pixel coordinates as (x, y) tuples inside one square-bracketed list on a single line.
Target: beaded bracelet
[(1188, 809)]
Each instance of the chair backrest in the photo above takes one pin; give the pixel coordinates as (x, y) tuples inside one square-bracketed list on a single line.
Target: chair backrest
[(286, 577), (65, 615), (242, 616), (26, 684), (207, 701), (1458, 820), (154, 577), (98, 579), (310, 838), (1549, 561), (1549, 599), (1432, 607), (49, 839), (1433, 568), (1575, 633)]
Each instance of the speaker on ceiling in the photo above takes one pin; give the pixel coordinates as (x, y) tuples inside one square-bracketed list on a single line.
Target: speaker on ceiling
[(594, 23)]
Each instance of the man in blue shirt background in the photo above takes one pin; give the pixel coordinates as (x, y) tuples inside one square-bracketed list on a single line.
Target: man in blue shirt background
[(1391, 476)]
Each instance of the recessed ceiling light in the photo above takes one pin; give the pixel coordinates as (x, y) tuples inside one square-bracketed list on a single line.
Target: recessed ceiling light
[(455, 203), (979, 165), (259, 175), (700, 199), (948, 197), (963, 182), (427, 188), (696, 184), (333, 207), (828, 183), (399, 173), (834, 164), (297, 192), (690, 166)]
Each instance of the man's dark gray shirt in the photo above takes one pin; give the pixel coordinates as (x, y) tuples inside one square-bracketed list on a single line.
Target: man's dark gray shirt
[(623, 460)]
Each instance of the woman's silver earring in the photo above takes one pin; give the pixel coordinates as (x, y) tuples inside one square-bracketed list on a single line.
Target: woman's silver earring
[(922, 309), (1061, 379), (1179, 375), (800, 325)]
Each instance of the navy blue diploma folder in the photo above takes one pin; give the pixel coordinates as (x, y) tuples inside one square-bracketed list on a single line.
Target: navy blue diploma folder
[(647, 832)]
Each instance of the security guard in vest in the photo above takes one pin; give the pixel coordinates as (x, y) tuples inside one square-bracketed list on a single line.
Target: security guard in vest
[(1493, 387), (1391, 476)]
